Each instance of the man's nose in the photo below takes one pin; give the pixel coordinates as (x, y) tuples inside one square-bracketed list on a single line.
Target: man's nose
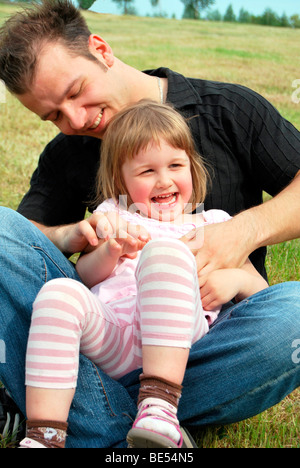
[(76, 117)]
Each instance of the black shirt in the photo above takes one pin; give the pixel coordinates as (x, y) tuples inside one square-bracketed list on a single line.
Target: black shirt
[(248, 146)]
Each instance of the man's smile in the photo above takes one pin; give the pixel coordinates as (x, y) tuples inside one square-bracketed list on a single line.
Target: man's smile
[(97, 121)]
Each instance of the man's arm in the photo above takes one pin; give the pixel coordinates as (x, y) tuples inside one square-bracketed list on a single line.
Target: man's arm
[(78, 237), (228, 245), (73, 238)]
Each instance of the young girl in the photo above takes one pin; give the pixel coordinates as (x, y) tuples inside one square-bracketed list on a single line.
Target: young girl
[(143, 307)]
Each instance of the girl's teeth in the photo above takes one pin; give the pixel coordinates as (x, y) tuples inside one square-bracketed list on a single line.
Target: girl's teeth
[(160, 200)]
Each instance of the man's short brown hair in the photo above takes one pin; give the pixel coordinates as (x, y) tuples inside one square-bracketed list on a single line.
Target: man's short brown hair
[(25, 33)]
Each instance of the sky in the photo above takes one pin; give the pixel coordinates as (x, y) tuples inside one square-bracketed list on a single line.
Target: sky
[(289, 7)]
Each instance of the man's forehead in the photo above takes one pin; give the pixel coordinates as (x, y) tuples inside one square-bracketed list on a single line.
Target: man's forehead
[(53, 53)]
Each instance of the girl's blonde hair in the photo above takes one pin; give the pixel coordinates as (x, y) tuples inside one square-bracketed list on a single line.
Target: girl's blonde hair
[(131, 131)]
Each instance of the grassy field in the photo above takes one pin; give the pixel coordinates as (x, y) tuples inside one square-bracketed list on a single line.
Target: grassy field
[(263, 58)]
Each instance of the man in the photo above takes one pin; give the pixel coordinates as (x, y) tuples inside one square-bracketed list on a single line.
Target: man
[(65, 74)]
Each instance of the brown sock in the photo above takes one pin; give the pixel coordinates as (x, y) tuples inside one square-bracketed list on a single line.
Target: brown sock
[(157, 387), (51, 434)]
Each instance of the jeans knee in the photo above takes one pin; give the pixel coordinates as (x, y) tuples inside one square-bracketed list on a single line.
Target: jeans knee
[(282, 302), (14, 227), (8, 219), (288, 293)]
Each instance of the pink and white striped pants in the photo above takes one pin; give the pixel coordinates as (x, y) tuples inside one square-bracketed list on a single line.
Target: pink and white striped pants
[(67, 319)]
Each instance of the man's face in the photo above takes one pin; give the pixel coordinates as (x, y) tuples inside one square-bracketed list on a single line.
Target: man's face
[(77, 94)]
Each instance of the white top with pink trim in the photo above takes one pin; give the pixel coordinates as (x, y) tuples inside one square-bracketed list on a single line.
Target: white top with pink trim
[(121, 283)]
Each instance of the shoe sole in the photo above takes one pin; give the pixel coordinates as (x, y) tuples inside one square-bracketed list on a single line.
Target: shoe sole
[(141, 438), (188, 441)]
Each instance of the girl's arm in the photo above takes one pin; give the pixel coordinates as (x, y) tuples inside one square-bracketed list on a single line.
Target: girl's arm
[(97, 265), (221, 286), (253, 282)]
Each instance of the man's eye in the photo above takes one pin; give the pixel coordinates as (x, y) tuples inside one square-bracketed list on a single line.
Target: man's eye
[(74, 94), (56, 118)]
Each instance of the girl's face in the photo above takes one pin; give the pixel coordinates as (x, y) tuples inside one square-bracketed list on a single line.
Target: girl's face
[(159, 181)]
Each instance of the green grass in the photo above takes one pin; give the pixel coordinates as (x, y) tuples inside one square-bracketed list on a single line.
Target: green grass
[(266, 430), (265, 59)]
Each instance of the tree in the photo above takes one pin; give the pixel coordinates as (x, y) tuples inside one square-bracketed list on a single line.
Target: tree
[(270, 18), (284, 21), (229, 15), (85, 4), (295, 21), (244, 16), (214, 15), (192, 7), (126, 5), (160, 13)]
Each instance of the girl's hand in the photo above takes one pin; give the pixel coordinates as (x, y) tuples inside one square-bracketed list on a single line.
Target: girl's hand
[(125, 247), (219, 287), (111, 225)]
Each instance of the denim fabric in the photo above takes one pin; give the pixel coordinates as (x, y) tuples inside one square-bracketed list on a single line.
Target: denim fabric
[(244, 365)]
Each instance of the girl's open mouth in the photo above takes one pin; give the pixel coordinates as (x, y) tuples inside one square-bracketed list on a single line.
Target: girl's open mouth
[(165, 201)]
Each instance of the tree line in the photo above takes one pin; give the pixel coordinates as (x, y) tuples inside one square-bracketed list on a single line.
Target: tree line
[(193, 9), (267, 18)]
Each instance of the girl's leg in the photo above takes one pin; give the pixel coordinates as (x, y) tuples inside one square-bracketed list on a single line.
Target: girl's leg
[(172, 319), (67, 318)]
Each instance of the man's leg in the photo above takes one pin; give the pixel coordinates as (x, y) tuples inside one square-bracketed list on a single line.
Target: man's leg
[(247, 362), (28, 260)]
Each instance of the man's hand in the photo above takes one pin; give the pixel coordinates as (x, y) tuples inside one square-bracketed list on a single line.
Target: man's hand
[(227, 245), (86, 235), (73, 238), (224, 245)]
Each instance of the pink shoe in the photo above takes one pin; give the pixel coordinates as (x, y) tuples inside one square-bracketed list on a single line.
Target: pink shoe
[(156, 426)]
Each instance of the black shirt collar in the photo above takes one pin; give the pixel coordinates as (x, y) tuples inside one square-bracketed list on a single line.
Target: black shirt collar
[(180, 90)]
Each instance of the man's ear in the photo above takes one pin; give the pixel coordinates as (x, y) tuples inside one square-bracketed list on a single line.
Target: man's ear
[(101, 49)]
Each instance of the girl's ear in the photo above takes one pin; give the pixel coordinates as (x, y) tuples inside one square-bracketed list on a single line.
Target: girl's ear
[(101, 49)]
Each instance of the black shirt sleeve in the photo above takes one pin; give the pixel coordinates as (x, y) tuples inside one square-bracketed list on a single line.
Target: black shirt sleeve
[(62, 186), (266, 143)]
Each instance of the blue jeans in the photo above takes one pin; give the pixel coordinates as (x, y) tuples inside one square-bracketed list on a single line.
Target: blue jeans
[(247, 362)]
